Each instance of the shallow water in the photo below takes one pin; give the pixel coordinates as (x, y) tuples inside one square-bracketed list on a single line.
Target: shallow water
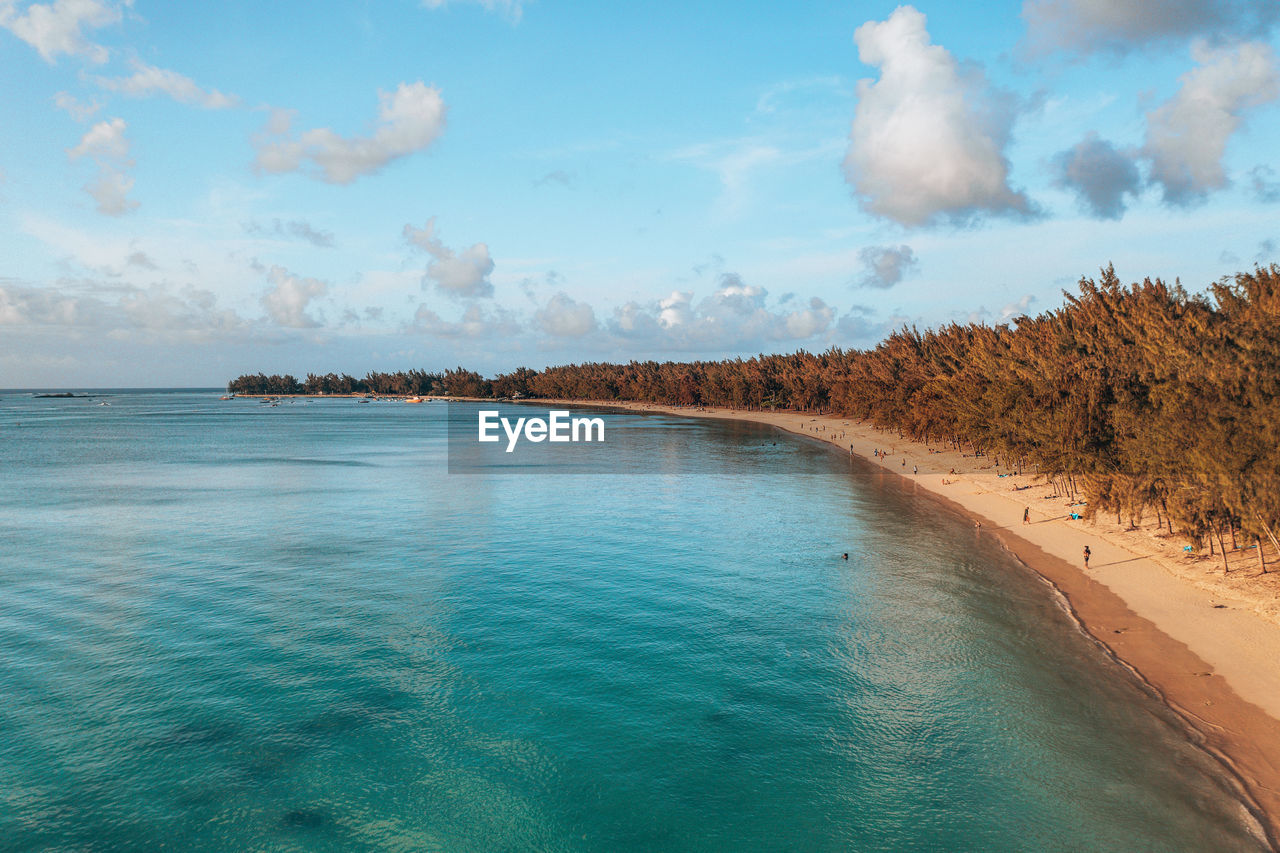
[(226, 625)]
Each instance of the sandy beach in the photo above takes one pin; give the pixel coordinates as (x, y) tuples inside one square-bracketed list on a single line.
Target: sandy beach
[(1209, 645)]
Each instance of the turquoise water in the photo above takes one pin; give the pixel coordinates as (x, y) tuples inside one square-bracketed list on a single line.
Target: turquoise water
[(230, 626)]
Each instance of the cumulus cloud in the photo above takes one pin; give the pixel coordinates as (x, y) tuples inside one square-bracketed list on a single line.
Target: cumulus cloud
[(105, 143), (885, 266), (57, 28), (148, 80), (1086, 26), (1187, 135), (513, 9), (476, 322), (464, 274), (563, 317), (1265, 186), (1099, 174), (928, 141), (296, 228), (735, 316), (287, 301), (119, 311), (1017, 309), (858, 325), (75, 108), (409, 119)]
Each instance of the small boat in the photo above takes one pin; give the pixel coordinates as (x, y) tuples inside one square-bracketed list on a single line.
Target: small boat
[(414, 400)]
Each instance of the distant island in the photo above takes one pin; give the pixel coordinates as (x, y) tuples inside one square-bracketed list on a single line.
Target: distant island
[(1138, 399)]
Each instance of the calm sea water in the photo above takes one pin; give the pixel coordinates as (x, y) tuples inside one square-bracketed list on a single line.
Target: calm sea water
[(230, 626)]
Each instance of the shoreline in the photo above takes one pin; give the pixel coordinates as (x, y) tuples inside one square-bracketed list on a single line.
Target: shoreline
[(1214, 665)]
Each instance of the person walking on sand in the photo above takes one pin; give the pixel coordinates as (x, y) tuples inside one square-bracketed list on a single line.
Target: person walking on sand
[(1026, 515), (915, 469), (1087, 554)]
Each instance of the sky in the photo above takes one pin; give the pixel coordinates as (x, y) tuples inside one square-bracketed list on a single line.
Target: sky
[(191, 191)]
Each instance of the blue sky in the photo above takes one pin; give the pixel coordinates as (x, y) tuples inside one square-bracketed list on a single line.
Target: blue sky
[(193, 191)]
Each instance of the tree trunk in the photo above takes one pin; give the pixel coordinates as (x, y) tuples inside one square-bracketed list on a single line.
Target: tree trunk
[(1222, 548), (1262, 558), (1235, 546)]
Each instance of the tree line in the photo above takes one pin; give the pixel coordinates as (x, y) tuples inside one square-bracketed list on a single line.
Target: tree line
[(1140, 399)]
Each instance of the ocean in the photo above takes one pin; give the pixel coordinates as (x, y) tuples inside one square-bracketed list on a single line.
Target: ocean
[(227, 625)]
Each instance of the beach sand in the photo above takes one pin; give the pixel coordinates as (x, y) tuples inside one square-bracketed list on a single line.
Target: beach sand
[(1210, 646)]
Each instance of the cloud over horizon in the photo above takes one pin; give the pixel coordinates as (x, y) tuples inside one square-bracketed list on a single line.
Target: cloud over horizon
[(735, 315), (464, 274), (287, 301)]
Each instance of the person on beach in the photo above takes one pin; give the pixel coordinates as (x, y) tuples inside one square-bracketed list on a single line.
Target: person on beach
[(1087, 554), (915, 469), (1026, 515)]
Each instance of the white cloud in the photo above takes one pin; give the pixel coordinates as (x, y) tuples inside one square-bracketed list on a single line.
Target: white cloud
[(287, 301), (106, 145), (148, 80), (1187, 135), (1087, 26), (563, 317), (1017, 309), (104, 139), (464, 274), (56, 28), (513, 9), (74, 107), (299, 228), (409, 119), (885, 266), (475, 322), (735, 316), (121, 311), (927, 142)]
